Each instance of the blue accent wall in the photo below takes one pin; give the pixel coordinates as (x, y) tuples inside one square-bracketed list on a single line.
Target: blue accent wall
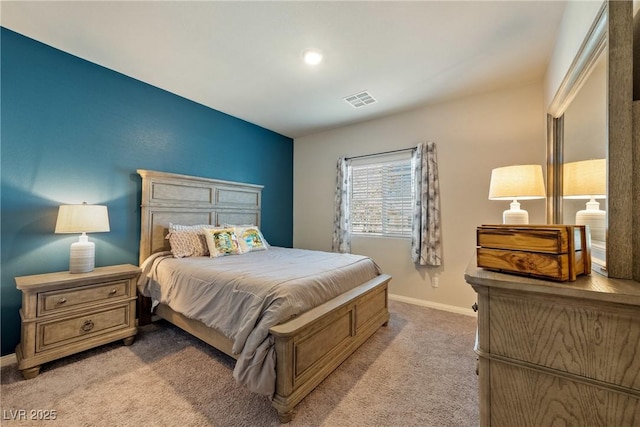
[(73, 131)]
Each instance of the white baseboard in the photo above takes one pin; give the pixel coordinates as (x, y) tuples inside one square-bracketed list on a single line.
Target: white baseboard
[(10, 359), (430, 304), (7, 360)]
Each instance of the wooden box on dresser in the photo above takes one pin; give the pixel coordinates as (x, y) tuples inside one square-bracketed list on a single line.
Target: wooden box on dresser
[(64, 313), (557, 354)]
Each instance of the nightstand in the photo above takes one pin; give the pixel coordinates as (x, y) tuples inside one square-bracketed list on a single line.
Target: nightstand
[(64, 313)]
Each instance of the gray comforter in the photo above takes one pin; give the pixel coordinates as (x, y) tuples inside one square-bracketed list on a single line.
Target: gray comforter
[(242, 296)]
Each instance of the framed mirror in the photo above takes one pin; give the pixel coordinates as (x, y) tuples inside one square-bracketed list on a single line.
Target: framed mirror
[(577, 121), (584, 162), (590, 118)]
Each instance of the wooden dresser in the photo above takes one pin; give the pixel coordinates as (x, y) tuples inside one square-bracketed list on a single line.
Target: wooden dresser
[(557, 354), (64, 313)]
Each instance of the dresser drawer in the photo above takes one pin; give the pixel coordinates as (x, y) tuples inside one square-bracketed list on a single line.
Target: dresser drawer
[(58, 301), (529, 398), (570, 335), (61, 332)]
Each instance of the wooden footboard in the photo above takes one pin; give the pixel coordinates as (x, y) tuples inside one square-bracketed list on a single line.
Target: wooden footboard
[(311, 346)]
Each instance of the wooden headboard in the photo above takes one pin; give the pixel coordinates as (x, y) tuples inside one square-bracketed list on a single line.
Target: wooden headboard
[(189, 200)]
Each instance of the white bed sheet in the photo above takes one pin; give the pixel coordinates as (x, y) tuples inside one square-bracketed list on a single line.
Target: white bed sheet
[(242, 296)]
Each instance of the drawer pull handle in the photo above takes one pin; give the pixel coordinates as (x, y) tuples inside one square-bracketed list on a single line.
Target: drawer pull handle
[(87, 325), (113, 291), (62, 300)]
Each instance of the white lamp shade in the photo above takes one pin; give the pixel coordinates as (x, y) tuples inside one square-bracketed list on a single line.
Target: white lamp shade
[(522, 182), (82, 218), (586, 179)]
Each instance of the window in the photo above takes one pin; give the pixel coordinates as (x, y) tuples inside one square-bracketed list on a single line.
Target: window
[(381, 196)]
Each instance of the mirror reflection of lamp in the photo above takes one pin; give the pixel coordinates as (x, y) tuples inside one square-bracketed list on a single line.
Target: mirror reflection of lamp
[(520, 182), (587, 179)]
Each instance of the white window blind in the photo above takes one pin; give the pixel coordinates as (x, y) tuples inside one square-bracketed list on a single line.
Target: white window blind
[(381, 197)]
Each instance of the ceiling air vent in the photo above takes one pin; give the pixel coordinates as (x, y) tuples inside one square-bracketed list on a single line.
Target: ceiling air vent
[(360, 99)]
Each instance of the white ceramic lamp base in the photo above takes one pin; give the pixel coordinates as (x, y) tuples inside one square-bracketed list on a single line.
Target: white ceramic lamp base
[(515, 215), (595, 219), (82, 255)]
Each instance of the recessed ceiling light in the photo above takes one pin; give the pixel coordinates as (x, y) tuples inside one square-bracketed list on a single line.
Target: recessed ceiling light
[(312, 57)]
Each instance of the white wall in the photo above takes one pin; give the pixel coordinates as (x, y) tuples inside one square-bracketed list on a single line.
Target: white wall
[(473, 136)]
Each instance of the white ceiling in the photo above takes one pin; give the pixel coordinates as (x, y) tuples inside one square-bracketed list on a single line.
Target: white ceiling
[(244, 58)]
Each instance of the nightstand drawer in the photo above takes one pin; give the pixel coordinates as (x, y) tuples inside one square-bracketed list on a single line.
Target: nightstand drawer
[(57, 301), (61, 332), (64, 313)]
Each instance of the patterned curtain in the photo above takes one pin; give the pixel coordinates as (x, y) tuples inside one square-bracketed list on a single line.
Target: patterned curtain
[(341, 237), (426, 248)]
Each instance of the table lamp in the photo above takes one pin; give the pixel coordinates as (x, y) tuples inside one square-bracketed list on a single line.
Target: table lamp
[(83, 219), (521, 182), (587, 179)]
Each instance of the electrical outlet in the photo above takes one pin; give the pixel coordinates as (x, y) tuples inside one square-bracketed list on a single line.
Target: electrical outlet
[(435, 282)]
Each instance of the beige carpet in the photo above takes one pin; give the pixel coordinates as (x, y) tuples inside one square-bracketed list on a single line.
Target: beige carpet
[(417, 371)]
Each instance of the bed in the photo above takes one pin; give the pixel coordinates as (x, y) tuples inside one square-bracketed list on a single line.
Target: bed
[(305, 348)]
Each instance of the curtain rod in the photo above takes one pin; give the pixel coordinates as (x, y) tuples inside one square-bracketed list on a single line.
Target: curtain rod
[(381, 154)]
